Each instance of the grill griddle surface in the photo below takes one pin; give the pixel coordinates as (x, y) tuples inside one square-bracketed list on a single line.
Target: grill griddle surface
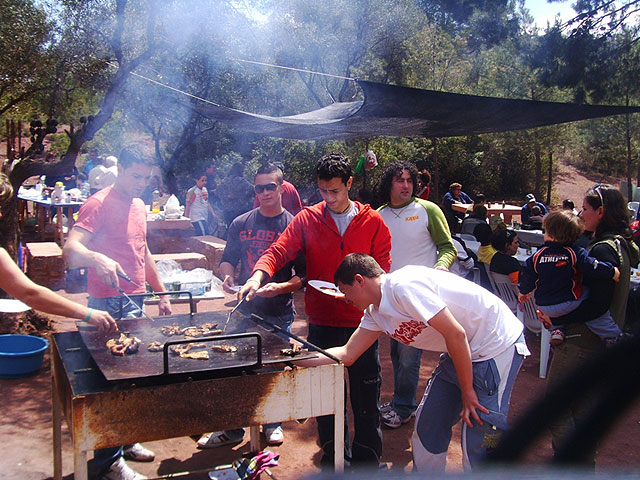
[(145, 363)]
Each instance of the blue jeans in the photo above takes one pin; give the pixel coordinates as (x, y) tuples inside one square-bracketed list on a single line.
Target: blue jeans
[(364, 389), (604, 326), (284, 322), (105, 457), (440, 408), (201, 227), (406, 372)]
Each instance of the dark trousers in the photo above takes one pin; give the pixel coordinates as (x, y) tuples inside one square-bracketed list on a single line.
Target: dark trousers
[(364, 389)]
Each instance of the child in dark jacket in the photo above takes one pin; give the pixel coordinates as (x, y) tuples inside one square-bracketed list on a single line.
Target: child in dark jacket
[(555, 272)]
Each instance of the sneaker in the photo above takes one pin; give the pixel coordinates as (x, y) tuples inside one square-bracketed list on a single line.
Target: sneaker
[(218, 439), (392, 420), (138, 453), (119, 470), (385, 407), (274, 435), (557, 337)]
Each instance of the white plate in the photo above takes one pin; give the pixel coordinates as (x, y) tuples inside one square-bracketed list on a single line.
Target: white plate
[(322, 287), (11, 305)]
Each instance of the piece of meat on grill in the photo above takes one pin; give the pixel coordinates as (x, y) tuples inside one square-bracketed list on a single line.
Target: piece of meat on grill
[(171, 330), (184, 348), (155, 347), (202, 331), (123, 345), (201, 355), (291, 352), (224, 348)]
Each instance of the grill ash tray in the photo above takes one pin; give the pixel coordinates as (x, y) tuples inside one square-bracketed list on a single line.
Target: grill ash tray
[(241, 333)]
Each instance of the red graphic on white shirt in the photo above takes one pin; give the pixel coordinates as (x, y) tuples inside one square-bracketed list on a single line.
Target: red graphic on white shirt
[(407, 331)]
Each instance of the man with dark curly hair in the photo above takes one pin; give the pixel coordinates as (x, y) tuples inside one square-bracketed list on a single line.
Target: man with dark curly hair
[(420, 236)]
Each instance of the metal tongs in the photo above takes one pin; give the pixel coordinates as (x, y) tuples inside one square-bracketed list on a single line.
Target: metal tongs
[(126, 277), (231, 312)]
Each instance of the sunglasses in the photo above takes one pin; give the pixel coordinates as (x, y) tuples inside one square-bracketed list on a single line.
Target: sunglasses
[(596, 188), (271, 187)]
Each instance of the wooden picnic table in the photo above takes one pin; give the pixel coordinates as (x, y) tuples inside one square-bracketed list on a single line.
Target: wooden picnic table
[(506, 212), (42, 207)]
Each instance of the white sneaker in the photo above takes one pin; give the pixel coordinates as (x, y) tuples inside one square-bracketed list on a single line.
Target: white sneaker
[(274, 436), (139, 453), (385, 407), (121, 471)]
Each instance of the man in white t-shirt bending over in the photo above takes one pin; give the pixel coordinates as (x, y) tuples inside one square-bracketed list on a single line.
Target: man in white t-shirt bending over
[(438, 311)]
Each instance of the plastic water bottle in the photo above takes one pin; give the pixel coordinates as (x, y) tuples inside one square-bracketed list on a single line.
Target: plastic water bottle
[(58, 190), (155, 204), (86, 190)]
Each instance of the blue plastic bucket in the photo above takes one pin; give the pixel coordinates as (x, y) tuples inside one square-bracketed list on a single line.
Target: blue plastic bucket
[(21, 355)]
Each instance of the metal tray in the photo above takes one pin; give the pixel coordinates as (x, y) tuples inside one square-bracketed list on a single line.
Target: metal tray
[(145, 363)]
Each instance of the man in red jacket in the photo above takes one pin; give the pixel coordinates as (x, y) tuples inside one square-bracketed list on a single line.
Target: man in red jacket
[(325, 233)]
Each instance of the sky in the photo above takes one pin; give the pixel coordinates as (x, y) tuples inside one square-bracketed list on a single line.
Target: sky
[(543, 11)]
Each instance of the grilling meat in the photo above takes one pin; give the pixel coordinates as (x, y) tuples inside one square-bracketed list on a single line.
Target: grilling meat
[(224, 348), (291, 352), (205, 330), (155, 347), (183, 351), (171, 330), (190, 332), (123, 345)]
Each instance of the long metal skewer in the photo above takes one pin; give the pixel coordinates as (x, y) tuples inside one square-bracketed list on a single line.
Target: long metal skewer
[(231, 312), (138, 306)]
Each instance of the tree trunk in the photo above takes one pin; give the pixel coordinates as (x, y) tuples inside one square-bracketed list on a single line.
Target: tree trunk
[(435, 175), (550, 179), (538, 157)]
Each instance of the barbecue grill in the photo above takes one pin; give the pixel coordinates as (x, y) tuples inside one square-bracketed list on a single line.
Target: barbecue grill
[(110, 400)]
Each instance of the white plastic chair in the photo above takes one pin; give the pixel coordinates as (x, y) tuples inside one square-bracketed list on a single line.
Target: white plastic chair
[(526, 313)]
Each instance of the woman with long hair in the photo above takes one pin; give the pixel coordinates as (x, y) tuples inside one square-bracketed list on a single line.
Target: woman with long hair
[(605, 214)]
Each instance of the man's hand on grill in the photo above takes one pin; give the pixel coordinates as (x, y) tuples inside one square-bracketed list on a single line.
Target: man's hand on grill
[(249, 289), (164, 306), (103, 321), (270, 290)]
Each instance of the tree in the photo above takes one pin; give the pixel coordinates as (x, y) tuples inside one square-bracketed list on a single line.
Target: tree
[(97, 29)]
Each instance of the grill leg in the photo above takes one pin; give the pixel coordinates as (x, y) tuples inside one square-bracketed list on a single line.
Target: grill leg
[(57, 431), (338, 418), (254, 436), (80, 464)]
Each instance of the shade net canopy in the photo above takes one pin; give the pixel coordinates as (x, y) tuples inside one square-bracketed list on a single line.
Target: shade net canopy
[(393, 111)]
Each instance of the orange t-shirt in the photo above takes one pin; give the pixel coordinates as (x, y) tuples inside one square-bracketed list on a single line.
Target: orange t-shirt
[(119, 227)]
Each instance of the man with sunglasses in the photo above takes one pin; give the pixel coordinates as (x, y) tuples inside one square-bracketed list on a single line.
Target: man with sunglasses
[(250, 234)]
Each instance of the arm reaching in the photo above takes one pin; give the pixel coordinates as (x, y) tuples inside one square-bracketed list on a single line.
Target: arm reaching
[(458, 348), (358, 343), (19, 286)]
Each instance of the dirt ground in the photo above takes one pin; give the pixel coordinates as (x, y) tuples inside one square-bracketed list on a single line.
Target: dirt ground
[(26, 431)]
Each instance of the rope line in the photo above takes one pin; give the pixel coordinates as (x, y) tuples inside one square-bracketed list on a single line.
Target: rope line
[(151, 80), (292, 68)]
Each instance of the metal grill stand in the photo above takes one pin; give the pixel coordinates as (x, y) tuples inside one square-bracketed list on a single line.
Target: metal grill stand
[(103, 414)]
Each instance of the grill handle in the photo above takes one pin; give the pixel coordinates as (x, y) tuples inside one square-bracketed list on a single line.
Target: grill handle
[(217, 338), (153, 294), (278, 328)]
